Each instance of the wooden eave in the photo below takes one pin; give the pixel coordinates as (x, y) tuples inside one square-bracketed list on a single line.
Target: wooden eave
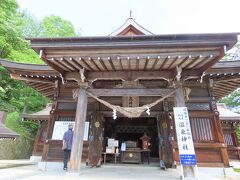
[(226, 77), (195, 52), (39, 77), (224, 83)]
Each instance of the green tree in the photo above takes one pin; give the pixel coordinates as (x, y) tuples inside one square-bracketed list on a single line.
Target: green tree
[(55, 26), (10, 34), (15, 96), (30, 25), (233, 101)]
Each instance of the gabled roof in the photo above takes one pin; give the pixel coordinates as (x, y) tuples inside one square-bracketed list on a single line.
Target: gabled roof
[(129, 28), (226, 114)]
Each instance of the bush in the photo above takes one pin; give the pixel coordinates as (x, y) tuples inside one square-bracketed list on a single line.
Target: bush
[(21, 148), (26, 129)]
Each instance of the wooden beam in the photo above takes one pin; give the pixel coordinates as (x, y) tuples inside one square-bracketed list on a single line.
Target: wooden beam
[(84, 64), (120, 63), (39, 85), (43, 89), (226, 79), (202, 61), (59, 65), (132, 75), (219, 95), (130, 92), (47, 94), (192, 63), (111, 63), (164, 62), (16, 76), (90, 63), (183, 61), (219, 92), (93, 62), (54, 66), (173, 61), (145, 65), (64, 64), (155, 63), (216, 59), (226, 84), (223, 90), (134, 53), (103, 64), (76, 62), (70, 64)]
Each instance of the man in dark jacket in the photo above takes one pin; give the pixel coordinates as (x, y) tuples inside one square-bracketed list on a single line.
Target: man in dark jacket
[(67, 145)]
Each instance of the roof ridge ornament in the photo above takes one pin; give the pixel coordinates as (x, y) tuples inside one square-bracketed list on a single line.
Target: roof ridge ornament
[(130, 14)]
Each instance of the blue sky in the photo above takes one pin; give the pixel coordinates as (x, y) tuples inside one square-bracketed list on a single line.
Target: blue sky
[(101, 17)]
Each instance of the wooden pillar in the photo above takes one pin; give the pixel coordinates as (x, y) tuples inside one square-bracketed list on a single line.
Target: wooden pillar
[(179, 101), (49, 132), (217, 127), (50, 122), (223, 149), (77, 146), (219, 133), (95, 140), (37, 139)]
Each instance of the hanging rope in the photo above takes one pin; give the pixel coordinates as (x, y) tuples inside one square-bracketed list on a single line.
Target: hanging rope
[(131, 112)]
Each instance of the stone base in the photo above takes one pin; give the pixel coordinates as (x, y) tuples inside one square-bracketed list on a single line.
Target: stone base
[(218, 172), (35, 158), (46, 166)]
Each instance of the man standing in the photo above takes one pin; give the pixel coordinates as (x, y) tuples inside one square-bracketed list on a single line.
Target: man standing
[(67, 145)]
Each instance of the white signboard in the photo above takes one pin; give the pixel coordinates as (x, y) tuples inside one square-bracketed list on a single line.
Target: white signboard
[(60, 127), (184, 136), (111, 142)]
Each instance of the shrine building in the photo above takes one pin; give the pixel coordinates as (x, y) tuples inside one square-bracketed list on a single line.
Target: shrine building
[(119, 92)]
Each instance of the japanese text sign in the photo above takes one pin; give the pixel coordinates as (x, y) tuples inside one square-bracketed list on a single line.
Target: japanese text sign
[(184, 136)]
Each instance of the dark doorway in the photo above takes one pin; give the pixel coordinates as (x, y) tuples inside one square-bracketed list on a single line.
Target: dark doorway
[(126, 129)]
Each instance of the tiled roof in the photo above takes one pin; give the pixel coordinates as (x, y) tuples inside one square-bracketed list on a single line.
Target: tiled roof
[(6, 132)]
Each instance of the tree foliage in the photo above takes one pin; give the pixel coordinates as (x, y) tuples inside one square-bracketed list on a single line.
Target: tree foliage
[(232, 101), (54, 26), (50, 26), (15, 96), (10, 34)]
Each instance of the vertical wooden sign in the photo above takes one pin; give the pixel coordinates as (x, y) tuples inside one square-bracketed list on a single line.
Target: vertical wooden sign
[(184, 138)]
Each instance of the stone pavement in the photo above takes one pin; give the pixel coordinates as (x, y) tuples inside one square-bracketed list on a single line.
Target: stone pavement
[(111, 171)]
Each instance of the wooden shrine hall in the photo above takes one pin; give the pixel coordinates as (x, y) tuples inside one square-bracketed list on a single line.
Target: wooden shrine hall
[(124, 85)]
